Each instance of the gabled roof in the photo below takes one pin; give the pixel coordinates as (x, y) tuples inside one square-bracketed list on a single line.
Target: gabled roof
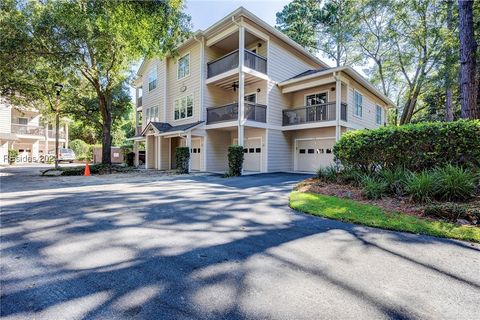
[(241, 11), (163, 127), (312, 74)]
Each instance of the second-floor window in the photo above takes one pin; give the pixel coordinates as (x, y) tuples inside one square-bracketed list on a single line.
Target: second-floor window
[(183, 108), (316, 98), (152, 79), (183, 66), (23, 121), (151, 114), (378, 115), (358, 106)]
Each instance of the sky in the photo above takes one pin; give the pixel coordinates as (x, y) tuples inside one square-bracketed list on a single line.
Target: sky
[(206, 13)]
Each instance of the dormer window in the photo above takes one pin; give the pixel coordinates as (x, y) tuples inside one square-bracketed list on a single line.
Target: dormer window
[(183, 66)]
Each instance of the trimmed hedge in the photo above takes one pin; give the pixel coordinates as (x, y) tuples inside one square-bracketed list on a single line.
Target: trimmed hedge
[(414, 146), (182, 158), (235, 160)]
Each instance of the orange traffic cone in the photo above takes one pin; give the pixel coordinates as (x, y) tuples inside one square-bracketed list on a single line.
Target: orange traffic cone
[(87, 169)]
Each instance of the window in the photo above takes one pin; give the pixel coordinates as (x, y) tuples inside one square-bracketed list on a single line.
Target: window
[(183, 108), (358, 104), (302, 151), (316, 98), (23, 121), (152, 79), (183, 66), (379, 115)]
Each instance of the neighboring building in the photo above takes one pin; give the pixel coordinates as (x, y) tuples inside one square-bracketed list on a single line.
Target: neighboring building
[(24, 131), (243, 82)]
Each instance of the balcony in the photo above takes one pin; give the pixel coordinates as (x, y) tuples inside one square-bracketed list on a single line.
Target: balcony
[(51, 134), (316, 113), (28, 130), (229, 112), (139, 102), (230, 61), (138, 130)]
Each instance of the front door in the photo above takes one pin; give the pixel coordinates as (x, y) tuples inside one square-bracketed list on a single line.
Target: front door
[(196, 154)]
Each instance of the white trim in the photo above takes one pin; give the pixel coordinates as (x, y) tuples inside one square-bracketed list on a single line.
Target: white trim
[(355, 105), (169, 154), (220, 76), (295, 160), (178, 65), (186, 112), (222, 35)]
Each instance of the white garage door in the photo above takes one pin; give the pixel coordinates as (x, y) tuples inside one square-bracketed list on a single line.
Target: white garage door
[(196, 154), (252, 151), (314, 153)]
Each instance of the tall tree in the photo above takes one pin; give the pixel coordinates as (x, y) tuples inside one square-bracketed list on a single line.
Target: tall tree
[(417, 39), (298, 20), (449, 64), (96, 41), (468, 62)]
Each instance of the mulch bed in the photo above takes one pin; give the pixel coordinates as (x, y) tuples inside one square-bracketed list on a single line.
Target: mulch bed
[(397, 204)]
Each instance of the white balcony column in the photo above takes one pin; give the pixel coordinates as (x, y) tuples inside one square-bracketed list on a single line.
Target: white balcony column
[(66, 135), (338, 105), (241, 84), (135, 150), (35, 151), (189, 145)]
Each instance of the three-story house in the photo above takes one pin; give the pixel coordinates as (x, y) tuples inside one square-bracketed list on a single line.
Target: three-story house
[(243, 82)]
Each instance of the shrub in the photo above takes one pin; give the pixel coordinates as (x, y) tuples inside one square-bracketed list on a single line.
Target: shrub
[(455, 183), (453, 212), (374, 188), (130, 159), (235, 160), (414, 146), (327, 174), (182, 158), (12, 156), (351, 176), (83, 151), (396, 180), (421, 186)]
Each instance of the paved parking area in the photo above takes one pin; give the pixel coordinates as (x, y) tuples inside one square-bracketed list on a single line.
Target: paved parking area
[(146, 246)]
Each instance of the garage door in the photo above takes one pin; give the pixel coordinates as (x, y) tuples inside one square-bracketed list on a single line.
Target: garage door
[(196, 154), (314, 153)]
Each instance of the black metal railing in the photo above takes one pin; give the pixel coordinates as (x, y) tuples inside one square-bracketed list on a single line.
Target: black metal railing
[(230, 62), (224, 113), (255, 112), (315, 113), (255, 62), (229, 112)]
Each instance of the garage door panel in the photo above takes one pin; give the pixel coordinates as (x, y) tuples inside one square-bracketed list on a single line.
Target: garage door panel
[(314, 153), (252, 154), (196, 153)]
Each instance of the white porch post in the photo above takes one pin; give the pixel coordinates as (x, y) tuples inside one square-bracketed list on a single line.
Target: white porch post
[(338, 105), (189, 146), (241, 84), (135, 150), (147, 153), (46, 142)]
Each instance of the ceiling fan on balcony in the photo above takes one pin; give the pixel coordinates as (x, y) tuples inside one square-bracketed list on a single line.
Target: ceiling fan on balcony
[(235, 86)]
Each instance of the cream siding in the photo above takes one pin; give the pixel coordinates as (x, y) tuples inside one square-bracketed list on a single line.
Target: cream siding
[(282, 65), (217, 150), (153, 98), (280, 148), (5, 118), (189, 85)]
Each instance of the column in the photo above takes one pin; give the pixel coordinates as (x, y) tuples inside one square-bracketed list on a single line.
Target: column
[(241, 84), (135, 150), (338, 105), (189, 145), (66, 135)]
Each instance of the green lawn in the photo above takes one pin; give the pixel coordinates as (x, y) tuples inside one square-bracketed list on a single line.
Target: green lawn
[(373, 216)]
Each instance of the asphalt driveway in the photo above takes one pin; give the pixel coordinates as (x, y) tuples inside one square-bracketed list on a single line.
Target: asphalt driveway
[(146, 246)]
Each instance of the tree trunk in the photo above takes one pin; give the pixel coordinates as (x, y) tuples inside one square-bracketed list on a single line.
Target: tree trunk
[(468, 63), (448, 67), (106, 111)]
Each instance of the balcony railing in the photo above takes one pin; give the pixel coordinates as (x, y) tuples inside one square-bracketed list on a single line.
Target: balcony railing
[(51, 134), (26, 129), (139, 102), (315, 113), (229, 112), (230, 62), (255, 112)]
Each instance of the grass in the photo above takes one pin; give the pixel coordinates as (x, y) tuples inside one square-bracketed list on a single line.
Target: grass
[(373, 216)]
